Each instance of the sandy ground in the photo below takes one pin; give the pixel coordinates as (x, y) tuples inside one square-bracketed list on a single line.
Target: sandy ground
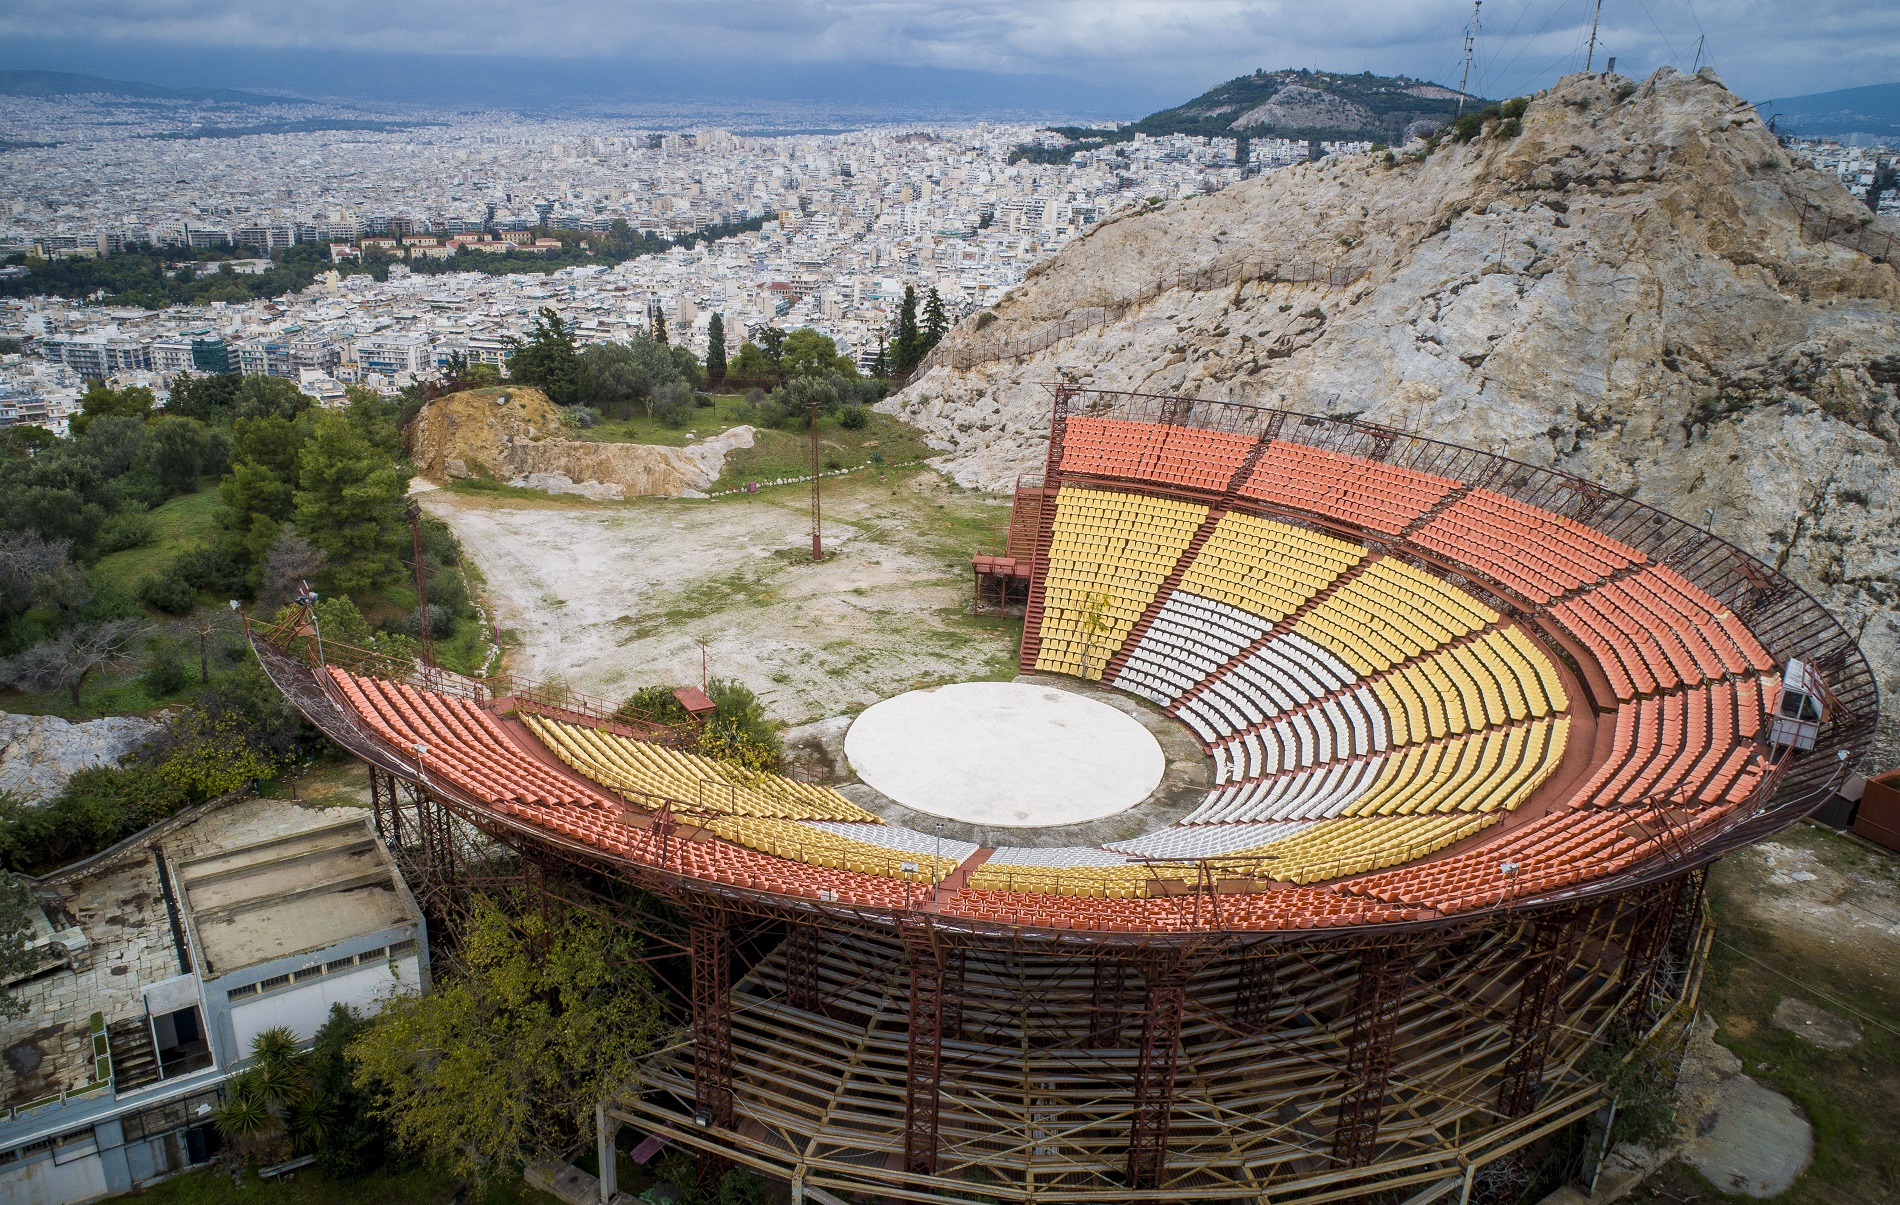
[(611, 597)]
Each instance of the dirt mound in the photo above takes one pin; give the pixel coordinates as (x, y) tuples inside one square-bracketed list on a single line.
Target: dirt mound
[(514, 434)]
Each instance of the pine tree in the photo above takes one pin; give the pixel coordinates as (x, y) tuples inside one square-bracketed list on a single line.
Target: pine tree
[(905, 347), (549, 360), (716, 347), (935, 324)]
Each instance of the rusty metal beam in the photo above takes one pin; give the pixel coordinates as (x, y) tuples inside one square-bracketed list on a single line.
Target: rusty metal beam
[(1253, 993), (712, 1021), (1108, 1004), (1166, 982), (1554, 942), (801, 967), (1376, 1001), (923, 1068)]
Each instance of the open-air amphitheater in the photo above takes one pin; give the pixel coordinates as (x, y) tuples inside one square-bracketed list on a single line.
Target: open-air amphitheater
[(1470, 733)]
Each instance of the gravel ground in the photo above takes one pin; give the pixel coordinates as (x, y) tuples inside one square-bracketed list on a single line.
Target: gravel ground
[(608, 597)]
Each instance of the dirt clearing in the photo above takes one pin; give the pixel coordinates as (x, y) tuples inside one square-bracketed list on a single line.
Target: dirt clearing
[(608, 597)]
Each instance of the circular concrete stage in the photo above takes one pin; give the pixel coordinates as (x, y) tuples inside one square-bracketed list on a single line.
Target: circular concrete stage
[(1004, 753)]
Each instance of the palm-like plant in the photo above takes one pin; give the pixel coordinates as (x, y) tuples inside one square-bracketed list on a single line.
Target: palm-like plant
[(244, 1118)]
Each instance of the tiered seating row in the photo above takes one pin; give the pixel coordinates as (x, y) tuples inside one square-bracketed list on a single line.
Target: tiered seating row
[(1495, 679), (1031, 856), (687, 778), (1392, 612), (1693, 746), (1265, 567), (1110, 447), (723, 862), (1533, 552), (1204, 841), (1378, 496), (464, 744), (1286, 908), (1656, 630), (1318, 794), (1115, 549), (897, 837), (1561, 850), (1340, 728), (1190, 638), (1121, 881), (1357, 844), (1190, 456), (816, 846), (1492, 771), (1285, 673)]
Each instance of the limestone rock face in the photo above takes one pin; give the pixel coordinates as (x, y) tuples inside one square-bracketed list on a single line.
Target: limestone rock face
[(38, 753), (1631, 289), (514, 433)]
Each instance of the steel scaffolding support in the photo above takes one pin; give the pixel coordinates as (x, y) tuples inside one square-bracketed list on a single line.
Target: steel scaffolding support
[(1166, 982), (1108, 1004), (1554, 941), (1253, 994), (709, 939), (1648, 938), (1376, 1001), (801, 967), (923, 1065)]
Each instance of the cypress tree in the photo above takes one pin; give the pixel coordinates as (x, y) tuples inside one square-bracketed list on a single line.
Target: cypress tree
[(881, 363), (659, 324), (906, 349), (716, 347), (935, 323)]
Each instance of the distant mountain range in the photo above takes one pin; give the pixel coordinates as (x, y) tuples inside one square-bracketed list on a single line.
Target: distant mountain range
[(71, 83), (1320, 105), (1873, 111)]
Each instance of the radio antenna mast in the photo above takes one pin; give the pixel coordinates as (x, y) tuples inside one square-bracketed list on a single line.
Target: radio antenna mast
[(1471, 40), (1592, 56)]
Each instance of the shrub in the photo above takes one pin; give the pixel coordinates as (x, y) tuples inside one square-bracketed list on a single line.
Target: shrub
[(131, 529), (672, 405), (703, 401), (854, 417), (652, 704), (1517, 106), (167, 592), (580, 416), (210, 567), (984, 319), (165, 675)]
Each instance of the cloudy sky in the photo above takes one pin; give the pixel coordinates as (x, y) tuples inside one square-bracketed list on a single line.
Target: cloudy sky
[(1147, 49)]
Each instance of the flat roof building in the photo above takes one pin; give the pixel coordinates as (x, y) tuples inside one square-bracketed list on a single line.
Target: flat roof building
[(162, 958)]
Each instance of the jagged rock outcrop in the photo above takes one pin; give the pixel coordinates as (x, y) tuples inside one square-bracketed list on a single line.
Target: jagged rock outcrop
[(1630, 289), (514, 433), (38, 753)]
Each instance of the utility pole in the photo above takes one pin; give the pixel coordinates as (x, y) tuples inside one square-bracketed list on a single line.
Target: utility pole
[(1471, 41), (1591, 57), (817, 522), (424, 628)]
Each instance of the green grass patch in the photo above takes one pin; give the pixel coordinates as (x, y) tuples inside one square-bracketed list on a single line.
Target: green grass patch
[(728, 410), (311, 1187), (489, 487), (1851, 1097), (103, 695), (787, 453), (177, 525)]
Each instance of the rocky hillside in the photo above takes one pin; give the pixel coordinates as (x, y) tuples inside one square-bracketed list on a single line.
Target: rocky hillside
[(1326, 105), (1622, 290)]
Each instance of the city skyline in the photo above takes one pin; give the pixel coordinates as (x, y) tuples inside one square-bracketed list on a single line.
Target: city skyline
[(1049, 57)]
